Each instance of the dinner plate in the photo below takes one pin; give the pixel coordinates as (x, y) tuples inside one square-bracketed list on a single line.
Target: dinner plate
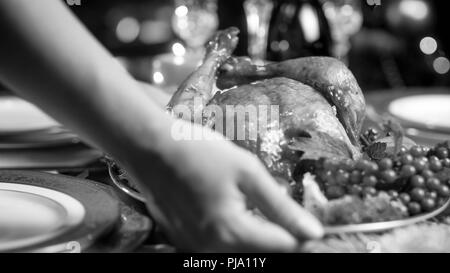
[(42, 139), (59, 198), (387, 225), (31, 215), (379, 102), (67, 157), (19, 116), (427, 111)]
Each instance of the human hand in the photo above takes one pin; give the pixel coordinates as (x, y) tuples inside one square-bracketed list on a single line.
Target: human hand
[(198, 189)]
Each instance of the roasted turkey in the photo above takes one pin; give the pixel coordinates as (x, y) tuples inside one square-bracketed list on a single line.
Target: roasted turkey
[(321, 107)]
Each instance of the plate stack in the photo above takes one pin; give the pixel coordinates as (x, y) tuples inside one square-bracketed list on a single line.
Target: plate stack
[(42, 212), (30, 139)]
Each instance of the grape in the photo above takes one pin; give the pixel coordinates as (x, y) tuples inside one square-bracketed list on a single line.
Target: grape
[(372, 167), (407, 171), (432, 194), (435, 165), (420, 164), (405, 198), (416, 151), (417, 194), (393, 194), (433, 183), (369, 191), (414, 208), (427, 174), (355, 190), (355, 177), (329, 165), (361, 165), (346, 165), (329, 177), (371, 134), (385, 164), (442, 153), (433, 158), (389, 176), (428, 204), (403, 150), (370, 181), (407, 159), (446, 162), (444, 191), (334, 192), (342, 177), (417, 181)]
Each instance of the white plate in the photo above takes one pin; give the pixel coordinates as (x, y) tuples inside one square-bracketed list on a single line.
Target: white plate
[(31, 215), (432, 111), (19, 116)]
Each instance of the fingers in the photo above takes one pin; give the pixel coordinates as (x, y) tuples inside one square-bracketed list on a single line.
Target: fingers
[(255, 234), (278, 207)]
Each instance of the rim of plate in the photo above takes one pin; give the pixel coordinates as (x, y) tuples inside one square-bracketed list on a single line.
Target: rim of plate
[(16, 101), (75, 213), (395, 104), (383, 226)]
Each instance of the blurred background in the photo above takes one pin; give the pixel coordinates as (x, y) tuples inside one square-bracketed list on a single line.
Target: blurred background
[(387, 44)]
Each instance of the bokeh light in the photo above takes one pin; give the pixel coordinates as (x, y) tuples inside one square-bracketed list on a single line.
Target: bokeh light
[(428, 45), (441, 65), (127, 29), (158, 77), (178, 49), (415, 9), (181, 11)]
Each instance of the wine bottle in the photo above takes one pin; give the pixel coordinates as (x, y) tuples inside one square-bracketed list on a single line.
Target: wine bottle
[(298, 28)]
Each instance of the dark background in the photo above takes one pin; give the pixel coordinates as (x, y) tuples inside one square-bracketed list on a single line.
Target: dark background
[(385, 54)]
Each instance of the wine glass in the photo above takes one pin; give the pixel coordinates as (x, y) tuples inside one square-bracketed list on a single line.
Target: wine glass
[(258, 14), (345, 19), (195, 21)]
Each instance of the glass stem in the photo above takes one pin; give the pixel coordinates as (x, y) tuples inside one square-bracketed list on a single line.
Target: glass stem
[(258, 13)]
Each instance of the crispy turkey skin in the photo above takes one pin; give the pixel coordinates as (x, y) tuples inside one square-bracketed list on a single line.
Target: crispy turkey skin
[(320, 105)]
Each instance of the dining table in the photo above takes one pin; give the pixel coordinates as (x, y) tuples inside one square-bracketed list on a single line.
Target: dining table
[(130, 227)]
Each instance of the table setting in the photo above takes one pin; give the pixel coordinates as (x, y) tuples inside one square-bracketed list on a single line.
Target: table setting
[(371, 164)]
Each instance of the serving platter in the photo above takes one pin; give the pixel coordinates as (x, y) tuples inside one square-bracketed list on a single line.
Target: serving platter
[(329, 230), (387, 225), (101, 211)]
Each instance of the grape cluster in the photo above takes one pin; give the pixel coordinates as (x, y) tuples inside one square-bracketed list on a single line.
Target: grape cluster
[(418, 177), (371, 135)]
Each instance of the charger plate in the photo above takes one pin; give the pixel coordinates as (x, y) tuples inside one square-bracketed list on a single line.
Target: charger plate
[(57, 197)]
